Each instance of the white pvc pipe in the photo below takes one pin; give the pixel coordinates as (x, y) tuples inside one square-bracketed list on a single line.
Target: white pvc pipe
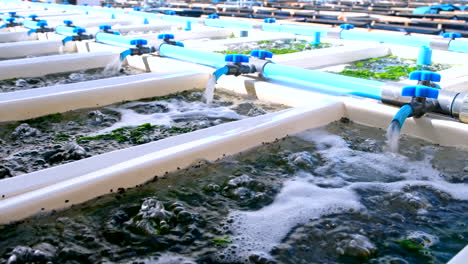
[(40, 66), (29, 48), (14, 36), (37, 102)]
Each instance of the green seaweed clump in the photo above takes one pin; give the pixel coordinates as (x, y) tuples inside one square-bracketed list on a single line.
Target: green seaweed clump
[(410, 245), (289, 46), (384, 68), (222, 240)]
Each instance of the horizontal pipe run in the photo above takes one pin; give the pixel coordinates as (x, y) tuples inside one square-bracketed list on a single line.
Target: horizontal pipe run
[(325, 81), (459, 45), (115, 40), (201, 57)]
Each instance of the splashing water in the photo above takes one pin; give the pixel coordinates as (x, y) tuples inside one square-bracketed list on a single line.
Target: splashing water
[(113, 66), (209, 91), (393, 136)]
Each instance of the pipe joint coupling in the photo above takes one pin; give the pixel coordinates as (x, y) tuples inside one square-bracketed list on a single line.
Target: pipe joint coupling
[(460, 107), (440, 43)]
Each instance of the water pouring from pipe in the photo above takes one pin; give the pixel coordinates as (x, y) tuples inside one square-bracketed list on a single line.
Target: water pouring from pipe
[(423, 100)]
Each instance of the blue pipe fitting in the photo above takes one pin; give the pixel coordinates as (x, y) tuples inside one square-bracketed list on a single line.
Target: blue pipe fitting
[(188, 26), (170, 12), (105, 28), (65, 3), (419, 104), (168, 39), (145, 21), (136, 8), (420, 91), (237, 64), (10, 22), (452, 35), (68, 23), (261, 54), (37, 26), (346, 26), (425, 76), (425, 56), (213, 16), (85, 4), (33, 17), (269, 20), (316, 40), (108, 6), (236, 58), (166, 36)]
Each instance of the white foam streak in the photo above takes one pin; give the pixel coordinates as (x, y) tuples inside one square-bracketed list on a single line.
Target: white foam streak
[(177, 110), (301, 198), (298, 202)]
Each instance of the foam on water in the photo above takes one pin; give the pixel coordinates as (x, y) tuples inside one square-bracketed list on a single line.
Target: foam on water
[(298, 202), (332, 188), (176, 110)]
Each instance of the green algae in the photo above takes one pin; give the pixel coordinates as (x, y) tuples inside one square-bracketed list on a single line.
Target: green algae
[(222, 240), (410, 245), (289, 46), (386, 68)]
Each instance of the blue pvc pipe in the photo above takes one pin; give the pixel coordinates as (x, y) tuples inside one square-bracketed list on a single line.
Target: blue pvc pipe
[(402, 114), (424, 56), (324, 81), (115, 40), (69, 31), (34, 24), (459, 45), (201, 57)]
